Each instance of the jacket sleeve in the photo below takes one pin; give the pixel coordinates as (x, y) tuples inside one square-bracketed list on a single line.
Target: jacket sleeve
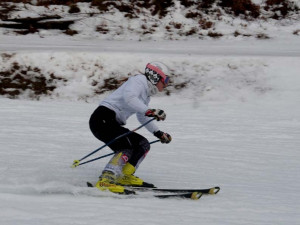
[(131, 94), (151, 127), (135, 87)]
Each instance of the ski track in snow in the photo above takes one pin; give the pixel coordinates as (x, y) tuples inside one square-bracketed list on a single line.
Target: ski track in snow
[(248, 146), (247, 149)]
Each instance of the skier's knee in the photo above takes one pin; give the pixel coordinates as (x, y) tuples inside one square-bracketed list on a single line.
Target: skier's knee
[(145, 145)]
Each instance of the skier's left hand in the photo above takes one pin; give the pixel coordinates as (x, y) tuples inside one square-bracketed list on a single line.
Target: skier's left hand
[(158, 114), (163, 137)]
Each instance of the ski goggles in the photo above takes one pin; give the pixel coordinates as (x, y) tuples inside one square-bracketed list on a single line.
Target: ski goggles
[(163, 77), (165, 80)]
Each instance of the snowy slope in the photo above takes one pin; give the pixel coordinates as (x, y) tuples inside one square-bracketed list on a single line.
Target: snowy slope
[(243, 139), (206, 68), (236, 124), (250, 149)]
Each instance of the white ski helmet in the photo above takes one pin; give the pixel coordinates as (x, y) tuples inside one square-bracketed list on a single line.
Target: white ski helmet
[(156, 71)]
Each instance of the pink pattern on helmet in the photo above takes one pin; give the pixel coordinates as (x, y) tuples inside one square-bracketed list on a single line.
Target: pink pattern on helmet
[(157, 70)]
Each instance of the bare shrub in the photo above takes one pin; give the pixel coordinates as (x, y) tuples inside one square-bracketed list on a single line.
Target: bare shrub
[(74, 9), (160, 7), (20, 78), (181, 85), (176, 25), (236, 34), (214, 34), (5, 10), (192, 31), (71, 32), (281, 6), (109, 84), (205, 24), (16, 1), (59, 2), (262, 36), (198, 3), (157, 7), (102, 29), (238, 7), (187, 3), (296, 32), (193, 14), (206, 4), (31, 25)]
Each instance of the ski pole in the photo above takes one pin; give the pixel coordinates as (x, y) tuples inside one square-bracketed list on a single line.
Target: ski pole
[(76, 162), (107, 155)]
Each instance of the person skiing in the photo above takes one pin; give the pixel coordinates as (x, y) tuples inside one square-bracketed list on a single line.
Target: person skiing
[(108, 120)]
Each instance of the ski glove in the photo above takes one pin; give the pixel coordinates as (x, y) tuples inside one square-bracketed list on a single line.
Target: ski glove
[(158, 114), (163, 137)]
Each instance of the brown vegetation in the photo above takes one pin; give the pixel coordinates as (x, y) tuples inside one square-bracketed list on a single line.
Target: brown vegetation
[(280, 8), (214, 34), (20, 78), (198, 10), (157, 7), (32, 25), (59, 2), (74, 9), (5, 10), (109, 84), (238, 7), (296, 32), (262, 36)]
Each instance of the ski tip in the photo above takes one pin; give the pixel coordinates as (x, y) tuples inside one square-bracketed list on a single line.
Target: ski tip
[(193, 196), (196, 195), (148, 185), (128, 192), (89, 184), (214, 190), (75, 163)]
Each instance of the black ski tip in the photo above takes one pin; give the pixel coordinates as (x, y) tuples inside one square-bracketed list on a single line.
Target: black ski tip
[(89, 184), (148, 185), (214, 190), (128, 192), (194, 196)]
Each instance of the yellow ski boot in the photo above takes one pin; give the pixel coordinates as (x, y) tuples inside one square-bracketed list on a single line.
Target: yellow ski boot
[(128, 179), (107, 181)]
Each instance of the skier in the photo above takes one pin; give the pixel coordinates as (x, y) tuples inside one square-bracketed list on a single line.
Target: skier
[(108, 120)]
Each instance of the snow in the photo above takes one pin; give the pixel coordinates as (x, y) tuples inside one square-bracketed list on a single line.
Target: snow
[(236, 125), (92, 24), (249, 149)]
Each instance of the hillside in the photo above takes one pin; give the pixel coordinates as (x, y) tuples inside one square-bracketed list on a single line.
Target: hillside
[(51, 48), (233, 109), (153, 20)]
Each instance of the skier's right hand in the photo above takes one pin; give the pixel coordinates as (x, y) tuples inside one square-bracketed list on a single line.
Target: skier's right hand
[(163, 137), (158, 114)]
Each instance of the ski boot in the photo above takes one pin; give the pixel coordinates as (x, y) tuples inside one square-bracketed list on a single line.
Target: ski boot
[(128, 179), (107, 181)]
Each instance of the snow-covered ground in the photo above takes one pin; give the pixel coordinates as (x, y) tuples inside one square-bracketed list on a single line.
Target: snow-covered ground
[(242, 134), (209, 69), (236, 125), (250, 149)]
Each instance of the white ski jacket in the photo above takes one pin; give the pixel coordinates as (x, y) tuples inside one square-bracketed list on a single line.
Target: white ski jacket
[(132, 97)]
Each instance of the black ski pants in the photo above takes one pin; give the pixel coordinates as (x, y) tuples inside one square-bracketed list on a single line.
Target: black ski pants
[(105, 127)]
